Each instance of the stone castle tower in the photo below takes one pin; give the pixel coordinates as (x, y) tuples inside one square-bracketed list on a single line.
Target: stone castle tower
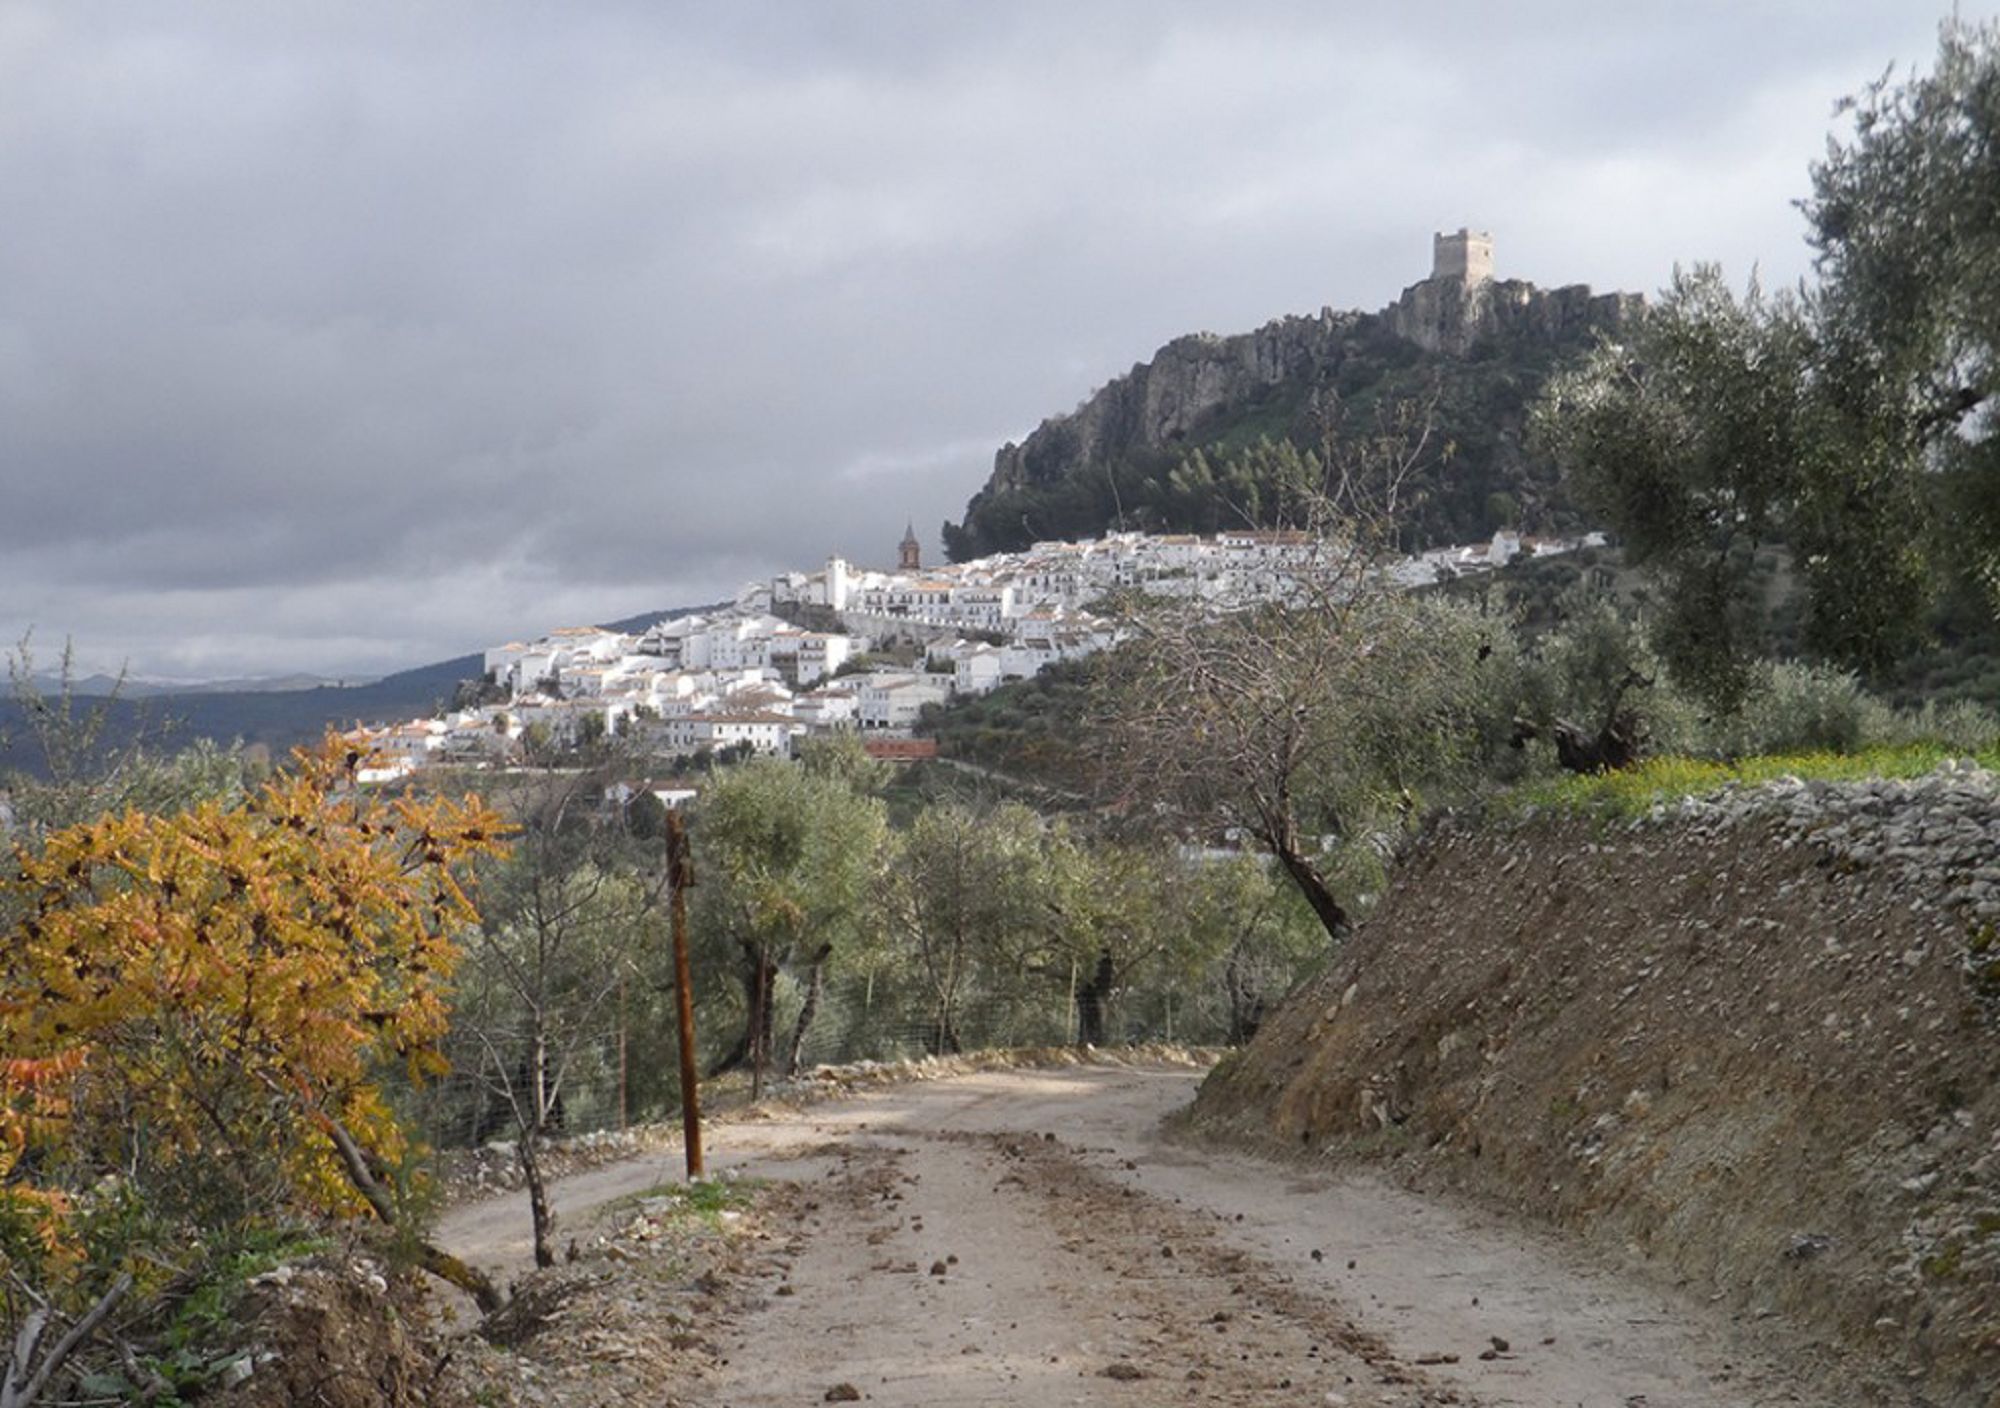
[(910, 552), (1462, 302), (1455, 306), (1466, 257)]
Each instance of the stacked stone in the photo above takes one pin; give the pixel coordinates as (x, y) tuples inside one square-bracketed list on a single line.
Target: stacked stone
[(1936, 837)]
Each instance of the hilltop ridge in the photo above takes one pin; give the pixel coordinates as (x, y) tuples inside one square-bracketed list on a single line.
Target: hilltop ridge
[(1480, 346)]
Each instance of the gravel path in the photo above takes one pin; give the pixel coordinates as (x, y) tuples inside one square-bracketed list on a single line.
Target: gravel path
[(1027, 1237)]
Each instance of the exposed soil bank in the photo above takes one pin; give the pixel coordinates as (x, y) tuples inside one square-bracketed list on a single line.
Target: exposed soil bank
[(1751, 1042)]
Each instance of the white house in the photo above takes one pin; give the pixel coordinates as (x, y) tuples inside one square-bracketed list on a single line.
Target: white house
[(768, 734), (828, 709), (823, 653), (983, 607), (976, 668), (681, 643), (499, 661), (893, 705), (836, 583), (619, 795), (563, 718)]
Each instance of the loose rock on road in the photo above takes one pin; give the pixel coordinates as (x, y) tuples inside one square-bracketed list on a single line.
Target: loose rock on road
[(1029, 1237)]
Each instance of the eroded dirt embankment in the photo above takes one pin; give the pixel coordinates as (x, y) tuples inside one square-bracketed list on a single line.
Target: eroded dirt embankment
[(1751, 1042)]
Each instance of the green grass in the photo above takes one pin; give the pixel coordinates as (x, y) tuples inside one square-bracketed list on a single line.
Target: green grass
[(705, 1199), (1637, 790), (192, 1349)]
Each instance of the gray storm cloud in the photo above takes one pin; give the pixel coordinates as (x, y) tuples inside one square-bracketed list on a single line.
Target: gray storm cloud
[(343, 337)]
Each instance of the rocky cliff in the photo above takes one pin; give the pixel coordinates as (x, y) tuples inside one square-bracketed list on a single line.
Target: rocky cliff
[(1480, 348), (1185, 388), (1749, 1041), (1451, 317)]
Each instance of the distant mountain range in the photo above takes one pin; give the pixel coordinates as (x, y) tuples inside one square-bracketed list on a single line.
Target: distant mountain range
[(265, 711), (101, 686)]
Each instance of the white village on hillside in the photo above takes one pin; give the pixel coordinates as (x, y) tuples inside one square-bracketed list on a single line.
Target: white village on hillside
[(749, 679)]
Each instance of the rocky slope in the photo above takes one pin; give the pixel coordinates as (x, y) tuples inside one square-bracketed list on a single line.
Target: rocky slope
[(1482, 349), (1752, 1041)]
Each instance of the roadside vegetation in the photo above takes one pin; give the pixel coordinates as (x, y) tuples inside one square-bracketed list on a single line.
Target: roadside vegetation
[(1635, 791)]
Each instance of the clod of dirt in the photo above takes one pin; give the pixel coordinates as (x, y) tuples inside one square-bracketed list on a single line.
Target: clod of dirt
[(842, 1393), (938, 1268), (1123, 1370), (529, 1312)]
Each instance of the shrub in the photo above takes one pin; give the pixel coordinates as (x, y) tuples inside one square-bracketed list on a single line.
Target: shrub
[(1796, 708)]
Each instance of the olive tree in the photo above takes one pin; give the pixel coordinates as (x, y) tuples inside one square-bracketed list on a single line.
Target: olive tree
[(1325, 711), (786, 856), (1850, 421), (962, 884), (569, 916)]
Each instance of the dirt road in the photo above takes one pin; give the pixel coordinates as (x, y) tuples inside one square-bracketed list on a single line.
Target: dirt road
[(1028, 1237)]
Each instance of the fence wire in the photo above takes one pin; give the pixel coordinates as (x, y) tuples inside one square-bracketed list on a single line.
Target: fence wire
[(624, 1069)]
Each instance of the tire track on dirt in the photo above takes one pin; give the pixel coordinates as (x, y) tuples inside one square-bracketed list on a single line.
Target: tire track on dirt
[(996, 1269)]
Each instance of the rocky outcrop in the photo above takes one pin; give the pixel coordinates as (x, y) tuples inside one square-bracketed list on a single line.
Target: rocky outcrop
[(1748, 1040), (1487, 344), (1449, 316), (1187, 385)]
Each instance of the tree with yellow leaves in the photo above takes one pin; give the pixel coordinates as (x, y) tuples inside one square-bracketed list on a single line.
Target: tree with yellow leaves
[(195, 1013)]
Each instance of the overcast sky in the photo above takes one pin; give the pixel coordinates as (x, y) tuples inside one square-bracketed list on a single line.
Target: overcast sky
[(343, 337)]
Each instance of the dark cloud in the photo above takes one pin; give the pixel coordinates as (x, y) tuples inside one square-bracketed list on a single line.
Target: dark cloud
[(344, 336)]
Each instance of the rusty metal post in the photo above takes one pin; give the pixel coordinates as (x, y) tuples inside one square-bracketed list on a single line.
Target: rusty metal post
[(680, 879), (760, 1020)]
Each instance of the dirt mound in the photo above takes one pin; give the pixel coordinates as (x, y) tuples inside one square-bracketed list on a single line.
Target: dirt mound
[(1751, 1041), (339, 1332)]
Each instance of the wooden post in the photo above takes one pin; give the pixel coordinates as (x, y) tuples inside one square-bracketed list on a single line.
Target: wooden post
[(680, 879), (623, 1066), (1069, 1011), (760, 1017)]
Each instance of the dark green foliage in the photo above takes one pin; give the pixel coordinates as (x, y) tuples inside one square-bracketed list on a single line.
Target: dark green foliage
[(1849, 423), (1687, 439), (1906, 218), (646, 817), (1031, 729)]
